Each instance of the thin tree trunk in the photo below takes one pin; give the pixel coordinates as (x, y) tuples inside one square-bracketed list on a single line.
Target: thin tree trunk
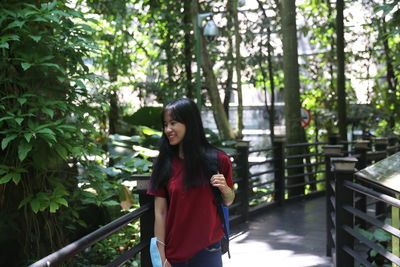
[(188, 43), (390, 76), (331, 62), (294, 132), (220, 117), (341, 80), (270, 108), (238, 68), (229, 58)]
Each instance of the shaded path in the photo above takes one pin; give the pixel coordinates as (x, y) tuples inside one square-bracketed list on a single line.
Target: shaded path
[(289, 236)]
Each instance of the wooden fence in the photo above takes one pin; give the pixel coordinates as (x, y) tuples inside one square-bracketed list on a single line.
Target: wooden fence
[(262, 180), (358, 230)]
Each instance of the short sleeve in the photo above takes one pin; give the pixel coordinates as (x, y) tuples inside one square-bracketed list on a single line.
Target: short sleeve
[(225, 167), (160, 192)]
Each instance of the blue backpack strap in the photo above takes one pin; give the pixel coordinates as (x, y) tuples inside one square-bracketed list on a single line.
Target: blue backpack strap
[(223, 210)]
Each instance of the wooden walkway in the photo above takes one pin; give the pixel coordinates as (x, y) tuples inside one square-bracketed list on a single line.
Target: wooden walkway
[(289, 236)]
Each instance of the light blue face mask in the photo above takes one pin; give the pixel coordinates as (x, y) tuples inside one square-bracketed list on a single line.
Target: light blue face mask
[(155, 253)]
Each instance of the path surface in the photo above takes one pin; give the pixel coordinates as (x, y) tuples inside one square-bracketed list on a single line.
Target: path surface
[(289, 236)]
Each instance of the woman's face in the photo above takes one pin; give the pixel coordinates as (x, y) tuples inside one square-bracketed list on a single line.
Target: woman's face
[(174, 130)]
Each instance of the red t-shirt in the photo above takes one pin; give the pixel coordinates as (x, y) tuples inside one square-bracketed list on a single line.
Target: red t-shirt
[(192, 220)]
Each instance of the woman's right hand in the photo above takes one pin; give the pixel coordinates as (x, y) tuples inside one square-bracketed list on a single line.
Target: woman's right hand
[(167, 264)]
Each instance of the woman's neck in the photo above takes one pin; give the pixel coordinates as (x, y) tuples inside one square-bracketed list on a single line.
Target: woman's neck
[(180, 151)]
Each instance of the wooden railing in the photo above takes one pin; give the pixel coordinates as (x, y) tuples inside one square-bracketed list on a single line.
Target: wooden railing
[(256, 191), (145, 213), (358, 210)]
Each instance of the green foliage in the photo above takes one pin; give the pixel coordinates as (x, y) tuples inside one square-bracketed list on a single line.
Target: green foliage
[(383, 239), (146, 116), (44, 121), (110, 248)]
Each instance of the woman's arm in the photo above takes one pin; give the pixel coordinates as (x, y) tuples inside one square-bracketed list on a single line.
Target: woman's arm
[(228, 195), (160, 214)]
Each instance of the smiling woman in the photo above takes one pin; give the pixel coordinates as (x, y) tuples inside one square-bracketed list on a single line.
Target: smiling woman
[(174, 130), (183, 183)]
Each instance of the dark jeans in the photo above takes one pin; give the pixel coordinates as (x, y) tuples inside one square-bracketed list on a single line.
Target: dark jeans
[(208, 257)]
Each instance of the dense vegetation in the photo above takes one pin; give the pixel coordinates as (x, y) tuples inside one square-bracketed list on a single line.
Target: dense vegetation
[(73, 74)]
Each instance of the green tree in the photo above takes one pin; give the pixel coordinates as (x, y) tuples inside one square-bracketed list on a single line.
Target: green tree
[(294, 132), (341, 78), (45, 127)]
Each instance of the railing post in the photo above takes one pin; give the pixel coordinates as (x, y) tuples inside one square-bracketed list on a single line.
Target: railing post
[(329, 152), (392, 145), (333, 139), (146, 221), (343, 169), (279, 169), (381, 144), (243, 172), (360, 148)]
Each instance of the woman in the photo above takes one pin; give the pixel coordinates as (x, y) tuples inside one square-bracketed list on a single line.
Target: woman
[(187, 224)]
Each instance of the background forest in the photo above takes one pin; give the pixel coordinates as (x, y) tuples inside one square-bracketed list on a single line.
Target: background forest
[(82, 84)]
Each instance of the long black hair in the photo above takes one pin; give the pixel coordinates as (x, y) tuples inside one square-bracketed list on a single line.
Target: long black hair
[(196, 164)]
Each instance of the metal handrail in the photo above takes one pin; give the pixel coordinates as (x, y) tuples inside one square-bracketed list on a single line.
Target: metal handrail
[(75, 247)]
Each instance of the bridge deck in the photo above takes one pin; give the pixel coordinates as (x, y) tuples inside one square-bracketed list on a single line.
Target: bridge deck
[(289, 236)]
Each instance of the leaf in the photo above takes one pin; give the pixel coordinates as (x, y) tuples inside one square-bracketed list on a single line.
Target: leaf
[(14, 24), (19, 120), (24, 201), (80, 84), (52, 65), (35, 38), (149, 131), (7, 140), (26, 65), (10, 13), (23, 149), (6, 118), (48, 111), (4, 45), (54, 207), (16, 178), (110, 203), (382, 235), (6, 178), (28, 136), (46, 131), (61, 151), (62, 201), (21, 100), (35, 205)]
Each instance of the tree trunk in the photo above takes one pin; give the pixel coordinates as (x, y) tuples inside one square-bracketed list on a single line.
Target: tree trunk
[(341, 80), (294, 132), (229, 58), (390, 77), (220, 117), (238, 68), (187, 51), (270, 108)]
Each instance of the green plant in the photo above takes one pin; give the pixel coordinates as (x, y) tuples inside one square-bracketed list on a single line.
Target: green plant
[(383, 239), (44, 110)]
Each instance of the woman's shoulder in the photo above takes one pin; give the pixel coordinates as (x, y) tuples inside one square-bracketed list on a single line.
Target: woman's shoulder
[(222, 156)]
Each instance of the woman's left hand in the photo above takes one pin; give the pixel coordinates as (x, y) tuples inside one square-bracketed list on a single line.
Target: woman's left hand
[(228, 195), (218, 180)]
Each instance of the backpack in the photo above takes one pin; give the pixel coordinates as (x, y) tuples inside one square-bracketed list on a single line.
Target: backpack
[(223, 211)]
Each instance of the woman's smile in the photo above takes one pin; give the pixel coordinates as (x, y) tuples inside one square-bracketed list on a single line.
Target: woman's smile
[(174, 130)]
